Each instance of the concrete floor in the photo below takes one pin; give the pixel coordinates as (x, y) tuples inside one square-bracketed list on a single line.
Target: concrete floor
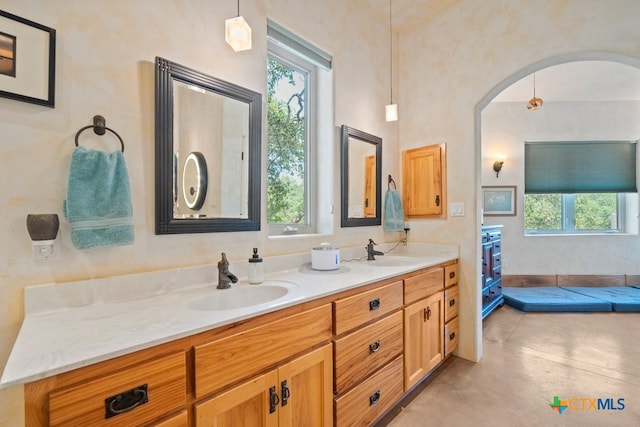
[(528, 359)]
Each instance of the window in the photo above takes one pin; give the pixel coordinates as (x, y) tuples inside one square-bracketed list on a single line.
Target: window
[(572, 187), (294, 68), (574, 213)]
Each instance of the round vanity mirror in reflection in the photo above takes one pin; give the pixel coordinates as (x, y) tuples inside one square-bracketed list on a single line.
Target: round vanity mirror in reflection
[(194, 180)]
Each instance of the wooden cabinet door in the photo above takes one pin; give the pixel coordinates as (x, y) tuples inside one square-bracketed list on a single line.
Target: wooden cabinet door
[(434, 330), (423, 338), (423, 172), (415, 345), (298, 393), (247, 404), (306, 390)]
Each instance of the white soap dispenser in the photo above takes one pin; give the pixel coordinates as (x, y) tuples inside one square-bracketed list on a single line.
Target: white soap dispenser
[(256, 268)]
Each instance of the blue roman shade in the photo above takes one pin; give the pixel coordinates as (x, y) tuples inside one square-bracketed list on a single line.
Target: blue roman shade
[(580, 167)]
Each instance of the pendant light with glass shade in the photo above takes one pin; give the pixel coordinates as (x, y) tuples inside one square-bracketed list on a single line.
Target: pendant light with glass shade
[(238, 32), (534, 103), (391, 110)]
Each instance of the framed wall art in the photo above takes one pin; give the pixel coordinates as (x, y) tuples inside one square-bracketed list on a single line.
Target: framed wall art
[(499, 200), (27, 60)]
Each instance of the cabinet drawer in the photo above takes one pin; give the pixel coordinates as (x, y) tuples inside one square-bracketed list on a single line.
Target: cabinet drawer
[(423, 285), (228, 360), (371, 398), (362, 352), (131, 397), (356, 310), (450, 275), (450, 303), (496, 260), (451, 337), (491, 293)]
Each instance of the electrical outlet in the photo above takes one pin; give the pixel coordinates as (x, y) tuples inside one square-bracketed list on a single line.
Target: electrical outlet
[(44, 249), (456, 209)]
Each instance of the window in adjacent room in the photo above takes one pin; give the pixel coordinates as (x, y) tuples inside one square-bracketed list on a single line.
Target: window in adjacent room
[(578, 187), (296, 117)]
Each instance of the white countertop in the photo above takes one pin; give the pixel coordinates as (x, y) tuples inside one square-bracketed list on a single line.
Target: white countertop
[(71, 325)]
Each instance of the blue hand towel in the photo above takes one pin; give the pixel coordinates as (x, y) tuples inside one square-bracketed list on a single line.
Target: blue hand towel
[(393, 212), (98, 204)]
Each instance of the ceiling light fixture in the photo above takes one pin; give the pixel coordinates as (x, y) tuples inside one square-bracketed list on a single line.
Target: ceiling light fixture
[(237, 32), (534, 103), (391, 110)]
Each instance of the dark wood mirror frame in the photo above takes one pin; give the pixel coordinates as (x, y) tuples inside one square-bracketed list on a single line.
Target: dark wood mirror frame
[(345, 221), (166, 73)]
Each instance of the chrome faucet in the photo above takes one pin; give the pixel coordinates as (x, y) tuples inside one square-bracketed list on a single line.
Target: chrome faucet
[(225, 277), (371, 252)]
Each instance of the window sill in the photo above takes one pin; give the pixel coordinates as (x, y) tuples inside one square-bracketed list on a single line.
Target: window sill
[(613, 233), (297, 236)]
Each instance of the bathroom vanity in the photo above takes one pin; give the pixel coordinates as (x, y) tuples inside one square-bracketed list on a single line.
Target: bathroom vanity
[(338, 348)]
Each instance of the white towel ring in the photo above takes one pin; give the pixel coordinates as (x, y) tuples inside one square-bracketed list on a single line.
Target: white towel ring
[(99, 128)]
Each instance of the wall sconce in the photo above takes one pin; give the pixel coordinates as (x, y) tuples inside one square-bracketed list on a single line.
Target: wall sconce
[(497, 166), (237, 32), (43, 230)]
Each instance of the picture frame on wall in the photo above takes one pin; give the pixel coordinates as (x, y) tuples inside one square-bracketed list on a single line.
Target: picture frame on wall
[(499, 200), (27, 60)]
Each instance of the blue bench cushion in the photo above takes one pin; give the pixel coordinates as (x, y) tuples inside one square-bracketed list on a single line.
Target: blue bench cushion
[(622, 298), (551, 298)]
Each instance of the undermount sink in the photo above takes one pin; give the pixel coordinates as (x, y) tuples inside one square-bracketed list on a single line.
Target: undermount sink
[(392, 261), (241, 296)]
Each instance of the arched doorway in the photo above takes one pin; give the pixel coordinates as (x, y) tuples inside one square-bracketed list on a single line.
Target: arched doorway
[(484, 159)]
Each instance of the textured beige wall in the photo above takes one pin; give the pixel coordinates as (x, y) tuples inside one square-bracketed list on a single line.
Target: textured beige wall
[(105, 55), (450, 65)]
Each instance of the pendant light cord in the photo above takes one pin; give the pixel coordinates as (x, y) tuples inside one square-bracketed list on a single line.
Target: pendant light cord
[(238, 7), (390, 52)]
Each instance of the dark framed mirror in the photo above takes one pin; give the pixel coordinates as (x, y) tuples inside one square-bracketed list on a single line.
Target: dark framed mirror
[(360, 178), (208, 148)]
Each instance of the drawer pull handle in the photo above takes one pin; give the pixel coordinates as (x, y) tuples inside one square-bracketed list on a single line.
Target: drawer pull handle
[(286, 393), (374, 346), (452, 275), (274, 400), (125, 402), (452, 335), (452, 302), (374, 398), (427, 313), (374, 304)]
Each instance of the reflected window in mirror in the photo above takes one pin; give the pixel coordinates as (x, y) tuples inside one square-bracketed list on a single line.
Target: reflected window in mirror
[(297, 117), (361, 170), (208, 153)]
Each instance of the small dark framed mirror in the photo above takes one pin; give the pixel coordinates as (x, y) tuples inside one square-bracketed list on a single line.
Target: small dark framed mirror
[(208, 153), (360, 178)]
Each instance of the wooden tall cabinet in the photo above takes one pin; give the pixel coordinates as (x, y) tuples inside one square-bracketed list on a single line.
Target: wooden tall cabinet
[(424, 181)]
